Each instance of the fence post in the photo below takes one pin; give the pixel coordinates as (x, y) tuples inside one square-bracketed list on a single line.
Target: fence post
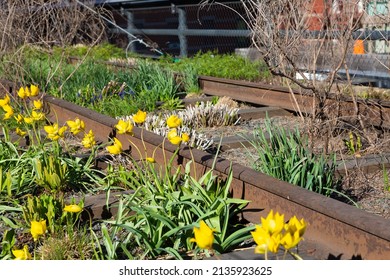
[(181, 34), (130, 26)]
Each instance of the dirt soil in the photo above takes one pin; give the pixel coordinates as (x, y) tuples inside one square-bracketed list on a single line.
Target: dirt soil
[(370, 191)]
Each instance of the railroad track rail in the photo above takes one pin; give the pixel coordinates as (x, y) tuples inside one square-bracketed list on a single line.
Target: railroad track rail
[(373, 111), (335, 229)]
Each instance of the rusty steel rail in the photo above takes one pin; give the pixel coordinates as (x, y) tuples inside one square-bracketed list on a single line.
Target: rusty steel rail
[(372, 111), (335, 229)]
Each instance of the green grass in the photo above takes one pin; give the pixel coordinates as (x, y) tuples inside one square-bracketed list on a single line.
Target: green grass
[(89, 83), (284, 154), (229, 66)]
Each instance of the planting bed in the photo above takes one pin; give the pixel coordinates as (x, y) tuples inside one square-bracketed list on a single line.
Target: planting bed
[(366, 233), (335, 229)]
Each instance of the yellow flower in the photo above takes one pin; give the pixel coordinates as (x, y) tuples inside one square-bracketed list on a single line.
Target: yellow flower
[(172, 133), (37, 116), (76, 126), (204, 236), (124, 127), (273, 243), (28, 120), (5, 101), (289, 240), (140, 117), (61, 131), (265, 241), (151, 160), (89, 140), (273, 223), (173, 137), (174, 121), (116, 148), (294, 225), (73, 208), (262, 248), (8, 112), (20, 132), (175, 140), (34, 90), (38, 104), (185, 137), (27, 92), (38, 229), (19, 118), (22, 93), (22, 254), (260, 237), (54, 132)]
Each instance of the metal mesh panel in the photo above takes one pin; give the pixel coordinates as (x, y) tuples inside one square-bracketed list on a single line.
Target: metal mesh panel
[(369, 62), (216, 16), (184, 30), (155, 18)]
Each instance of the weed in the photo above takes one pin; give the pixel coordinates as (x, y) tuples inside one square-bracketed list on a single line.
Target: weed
[(353, 144)]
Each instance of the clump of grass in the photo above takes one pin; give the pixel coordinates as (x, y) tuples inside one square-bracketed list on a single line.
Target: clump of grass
[(284, 154), (66, 247)]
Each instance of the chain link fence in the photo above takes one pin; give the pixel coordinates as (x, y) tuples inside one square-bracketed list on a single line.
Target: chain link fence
[(184, 30), (370, 61)]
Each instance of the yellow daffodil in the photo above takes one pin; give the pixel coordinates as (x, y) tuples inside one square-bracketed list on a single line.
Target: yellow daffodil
[(22, 254), (73, 208), (175, 140), (116, 148), (38, 229), (38, 104), (8, 112), (28, 120), (5, 101), (76, 126), (185, 137), (20, 132), (174, 121), (124, 127), (89, 140), (295, 225), (274, 224), (19, 118), (151, 160), (139, 117), (204, 236), (34, 90), (37, 116), (54, 132), (22, 93)]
